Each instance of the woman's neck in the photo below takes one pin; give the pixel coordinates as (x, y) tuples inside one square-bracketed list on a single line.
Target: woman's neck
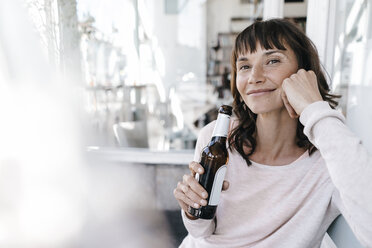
[(276, 139)]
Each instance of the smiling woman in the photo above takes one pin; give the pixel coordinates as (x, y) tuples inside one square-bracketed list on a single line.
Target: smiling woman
[(264, 55), (260, 75), (287, 178)]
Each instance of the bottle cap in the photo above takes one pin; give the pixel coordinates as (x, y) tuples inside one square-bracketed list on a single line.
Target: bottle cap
[(225, 109)]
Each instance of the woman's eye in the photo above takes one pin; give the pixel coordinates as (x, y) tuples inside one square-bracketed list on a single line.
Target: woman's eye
[(244, 67), (273, 61)]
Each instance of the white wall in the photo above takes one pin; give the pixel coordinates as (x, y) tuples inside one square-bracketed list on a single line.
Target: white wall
[(219, 13), (181, 39)]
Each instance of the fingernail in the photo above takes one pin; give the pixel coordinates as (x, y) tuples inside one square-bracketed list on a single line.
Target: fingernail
[(203, 202), (204, 195), (200, 170), (196, 205)]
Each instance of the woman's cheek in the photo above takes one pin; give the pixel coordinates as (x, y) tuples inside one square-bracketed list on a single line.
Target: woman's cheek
[(240, 85)]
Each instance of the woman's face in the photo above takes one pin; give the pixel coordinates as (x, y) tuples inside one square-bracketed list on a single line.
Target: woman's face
[(259, 77)]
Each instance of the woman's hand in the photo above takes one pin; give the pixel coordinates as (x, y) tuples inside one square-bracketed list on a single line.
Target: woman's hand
[(190, 193), (299, 91)]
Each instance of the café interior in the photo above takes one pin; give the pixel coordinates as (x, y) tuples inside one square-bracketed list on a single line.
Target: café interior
[(103, 101)]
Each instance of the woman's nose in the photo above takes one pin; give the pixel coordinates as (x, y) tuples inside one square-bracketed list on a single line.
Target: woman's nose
[(256, 75)]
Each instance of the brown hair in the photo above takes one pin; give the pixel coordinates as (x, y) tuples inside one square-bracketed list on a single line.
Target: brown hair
[(279, 34)]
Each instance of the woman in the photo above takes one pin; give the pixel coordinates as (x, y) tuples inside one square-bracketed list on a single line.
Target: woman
[(289, 177)]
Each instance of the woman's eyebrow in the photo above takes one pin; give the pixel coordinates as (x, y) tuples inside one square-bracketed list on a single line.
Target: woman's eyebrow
[(242, 59), (275, 51)]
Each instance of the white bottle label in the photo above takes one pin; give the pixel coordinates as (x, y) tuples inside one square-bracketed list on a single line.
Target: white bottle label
[(217, 186), (222, 125)]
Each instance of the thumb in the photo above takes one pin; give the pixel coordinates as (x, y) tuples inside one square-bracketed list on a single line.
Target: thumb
[(225, 185)]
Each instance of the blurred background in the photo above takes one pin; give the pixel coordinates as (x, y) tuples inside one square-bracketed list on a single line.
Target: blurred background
[(102, 103)]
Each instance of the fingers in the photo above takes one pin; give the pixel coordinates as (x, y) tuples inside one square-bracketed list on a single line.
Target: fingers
[(196, 168), (190, 193), (299, 91), (292, 113), (196, 200), (183, 201), (307, 75), (194, 185), (188, 198)]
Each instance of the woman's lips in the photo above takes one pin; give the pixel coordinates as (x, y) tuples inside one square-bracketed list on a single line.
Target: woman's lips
[(259, 92)]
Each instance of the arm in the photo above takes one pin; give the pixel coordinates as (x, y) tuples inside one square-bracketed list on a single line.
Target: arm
[(348, 163), (196, 227)]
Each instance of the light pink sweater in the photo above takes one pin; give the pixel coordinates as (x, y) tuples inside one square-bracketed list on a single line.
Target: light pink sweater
[(292, 205)]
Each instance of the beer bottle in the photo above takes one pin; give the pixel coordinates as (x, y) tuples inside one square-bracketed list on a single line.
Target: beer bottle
[(214, 158)]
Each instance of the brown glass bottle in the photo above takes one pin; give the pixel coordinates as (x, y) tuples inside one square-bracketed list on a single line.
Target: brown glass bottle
[(214, 158)]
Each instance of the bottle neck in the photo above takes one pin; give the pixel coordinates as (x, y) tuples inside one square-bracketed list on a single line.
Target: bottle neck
[(219, 139), (222, 126)]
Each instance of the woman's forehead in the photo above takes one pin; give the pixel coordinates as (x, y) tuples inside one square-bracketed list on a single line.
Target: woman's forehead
[(246, 49), (251, 44), (263, 52)]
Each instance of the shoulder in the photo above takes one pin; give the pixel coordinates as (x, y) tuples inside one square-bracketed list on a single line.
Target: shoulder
[(207, 130), (318, 163), (234, 122), (205, 135), (315, 159)]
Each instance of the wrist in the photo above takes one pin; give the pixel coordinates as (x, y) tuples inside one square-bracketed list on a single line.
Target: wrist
[(305, 105), (189, 216)]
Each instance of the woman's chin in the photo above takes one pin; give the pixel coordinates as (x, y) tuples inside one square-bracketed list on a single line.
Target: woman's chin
[(260, 110), (265, 107)]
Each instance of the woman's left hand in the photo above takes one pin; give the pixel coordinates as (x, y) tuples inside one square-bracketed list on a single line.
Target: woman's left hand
[(299, 91)]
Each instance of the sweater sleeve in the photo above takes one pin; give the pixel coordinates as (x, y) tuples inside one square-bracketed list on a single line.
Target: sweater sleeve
[(348, 163), (200, 228)]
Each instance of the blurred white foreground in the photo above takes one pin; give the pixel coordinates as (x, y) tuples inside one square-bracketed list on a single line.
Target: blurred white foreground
[(51, 195)]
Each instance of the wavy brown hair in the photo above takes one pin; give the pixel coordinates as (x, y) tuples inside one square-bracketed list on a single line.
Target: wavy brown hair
[(280, 34)]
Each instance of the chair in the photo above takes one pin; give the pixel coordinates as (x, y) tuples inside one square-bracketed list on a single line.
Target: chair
[(131, 134), (342, 235)]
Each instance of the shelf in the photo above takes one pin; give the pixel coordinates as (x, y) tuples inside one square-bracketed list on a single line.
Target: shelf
[(226, 39)]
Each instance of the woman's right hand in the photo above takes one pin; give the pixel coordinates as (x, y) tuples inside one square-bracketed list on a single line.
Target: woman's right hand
[(190, 193)]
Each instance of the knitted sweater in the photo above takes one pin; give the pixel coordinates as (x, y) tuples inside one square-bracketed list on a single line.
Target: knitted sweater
[(292, 205)]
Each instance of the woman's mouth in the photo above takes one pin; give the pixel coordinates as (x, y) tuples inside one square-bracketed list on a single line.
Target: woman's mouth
[(259, 92)]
